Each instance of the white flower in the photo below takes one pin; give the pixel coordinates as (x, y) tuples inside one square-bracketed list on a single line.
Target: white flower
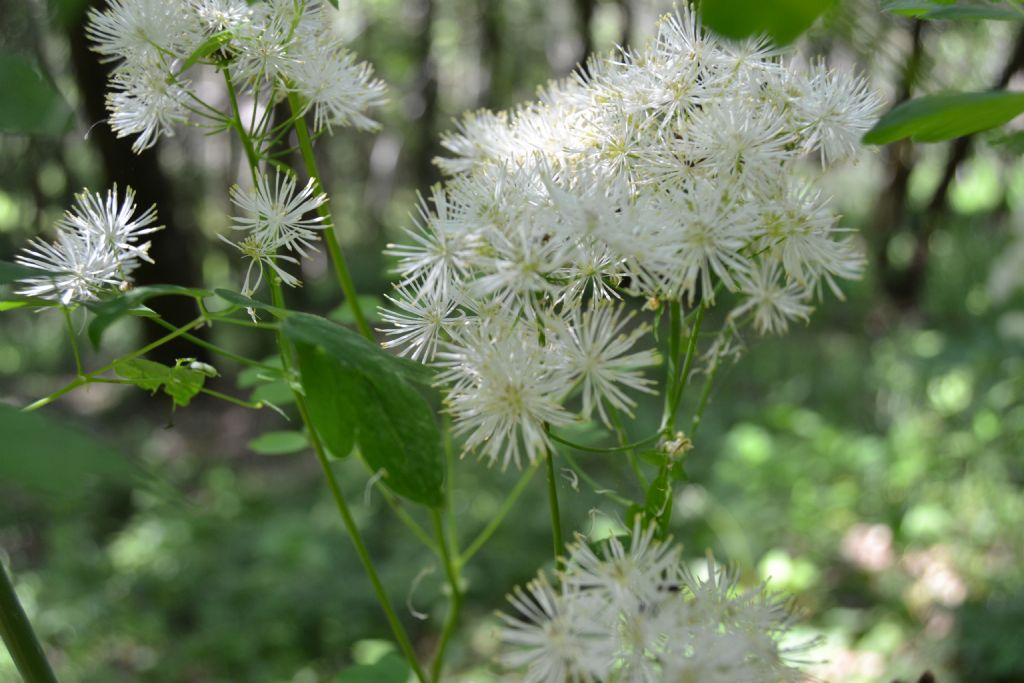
[(773, 302), (597, 348), (506, 388), (97, 249), (338, 88), (278, 213), (554, 636), (140, 29), (262, 250), (145, 100), (114, 223), (637, 615), (263, 46), (419, 323), (835, 112), (77, 268)]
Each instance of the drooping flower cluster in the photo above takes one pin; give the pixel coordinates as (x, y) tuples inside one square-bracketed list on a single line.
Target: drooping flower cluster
[(640, 616), (97, 248), (667, 173), (270, 48)]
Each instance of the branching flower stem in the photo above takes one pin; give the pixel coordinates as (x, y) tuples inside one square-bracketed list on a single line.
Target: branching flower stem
[(451, 571), (339, 500), (497, 519), (677, 383), (219, 350), (86, 378), (331, 239), (19, 637)]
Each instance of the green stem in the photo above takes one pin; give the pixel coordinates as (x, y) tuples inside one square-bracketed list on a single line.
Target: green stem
[(74, 340), (497, 519), (85, 379), (19, 637), (593, 449), (396, 506), (219, 350), (705, 393), (456, 603), (339, 500), (669, 420), (556, 518), (341, 271), (254, 405), (250, 150)]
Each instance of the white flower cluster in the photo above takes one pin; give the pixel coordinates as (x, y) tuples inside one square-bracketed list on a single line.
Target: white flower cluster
[(96, 250), (639, 616), (274, 220), (270, 48), (662, 174)]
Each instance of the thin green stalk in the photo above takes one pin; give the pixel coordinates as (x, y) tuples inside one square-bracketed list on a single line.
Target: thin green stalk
[(634, 461), (219, 350), (341, 271), (556, 518), (594, 449), (339, 500), (250, 151), (497, 519), (669, 419), (590, 481), (85, 379), (414, 527), (449, 486), (74, 341), (19, 637), (253, 405), (705, 393), (456, 604), (672, 363)]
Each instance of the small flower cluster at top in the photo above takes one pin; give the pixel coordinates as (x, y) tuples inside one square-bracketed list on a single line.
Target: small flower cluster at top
[(640, 616), (97, 248), (666, 173), (269, 48)]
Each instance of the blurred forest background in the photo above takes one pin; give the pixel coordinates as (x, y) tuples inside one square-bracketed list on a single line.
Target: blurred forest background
[(871, 463)]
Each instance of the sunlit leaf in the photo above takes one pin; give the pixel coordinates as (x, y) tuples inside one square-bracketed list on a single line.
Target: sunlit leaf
[(934, 118)]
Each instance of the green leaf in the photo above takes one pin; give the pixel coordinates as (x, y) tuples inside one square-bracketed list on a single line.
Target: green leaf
[(11, 272), (208, 47), (110, 311), (391, 668), (356, 392), (780, 20), (351, 348), (245, 302), (279, 393), (331, 390), (30, 105), (183, 384), (334, 3), (279, 443), (1009, 142), (180, 383), (145, 374), (15, 304), (951, 10), (943, 117), (45, 457)]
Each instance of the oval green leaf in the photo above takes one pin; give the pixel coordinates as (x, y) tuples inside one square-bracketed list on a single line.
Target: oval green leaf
[(279, 443), (935, 118), (31, 105)]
